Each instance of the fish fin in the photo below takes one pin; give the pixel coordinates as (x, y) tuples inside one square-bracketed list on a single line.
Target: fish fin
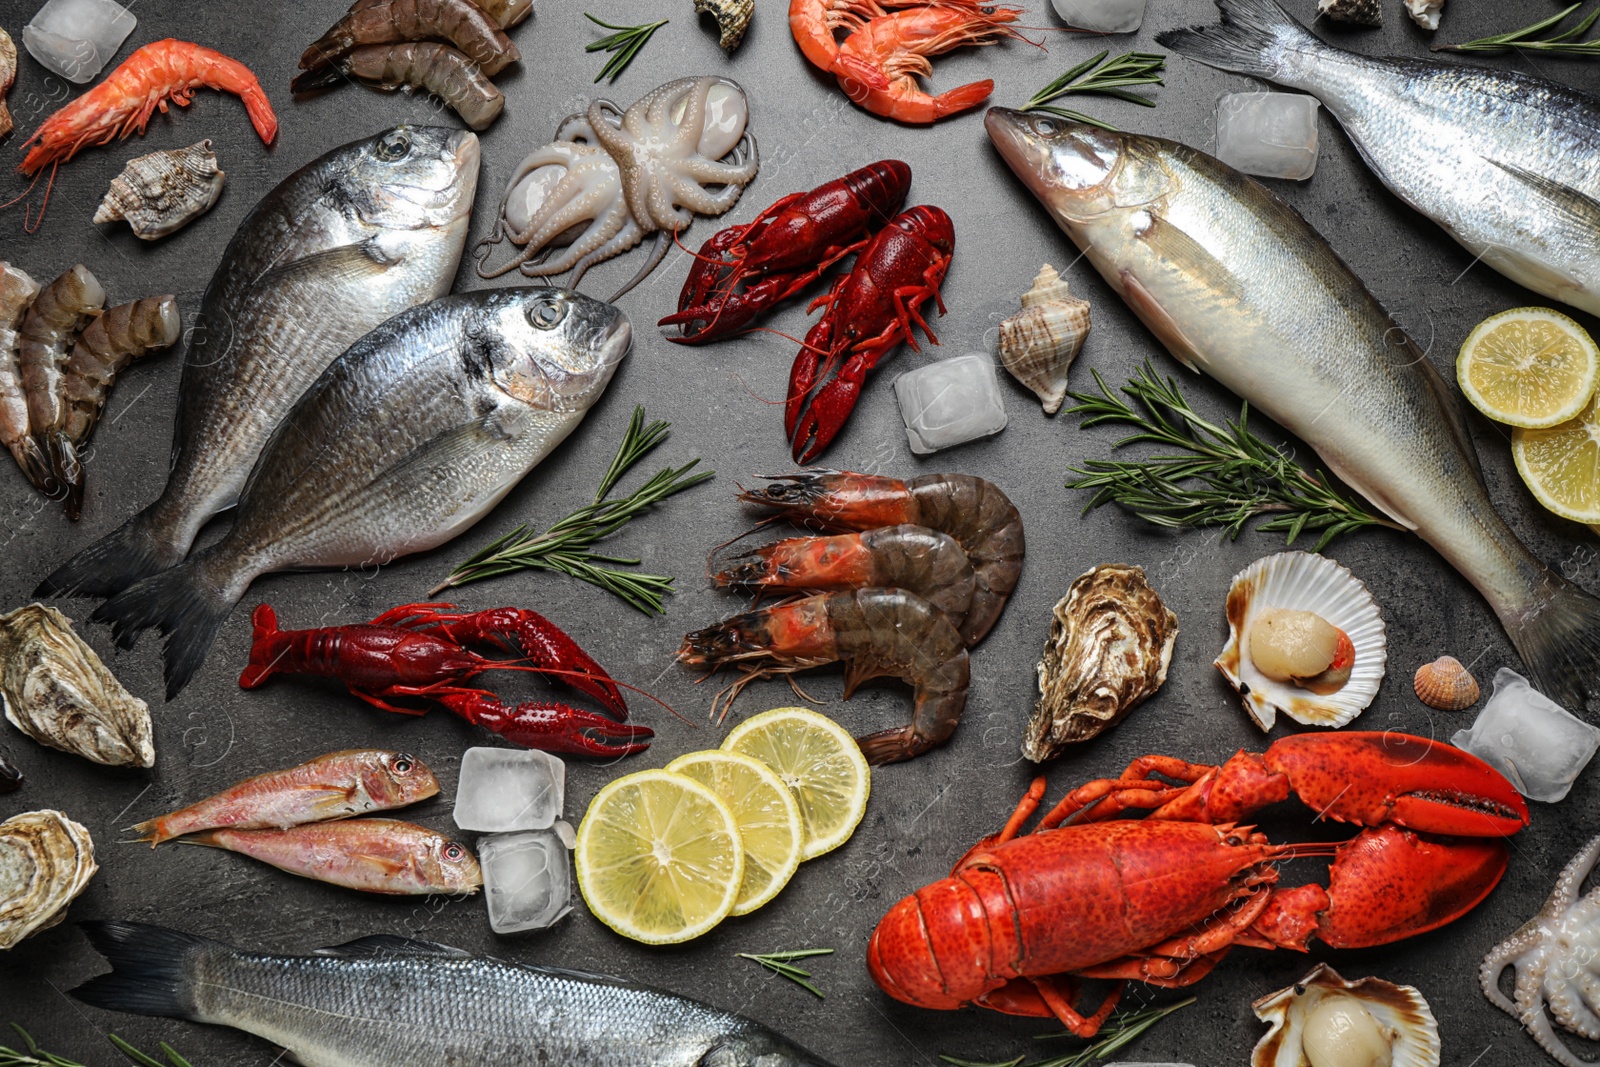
[(1150, 312), (1251, 39), (1372, 496), (185, 604), (382, 945), (1455, 415), (1558, 638), (582, 976), (126, 555), (151, 830), (334, 267), (149, 969), (1574, 206), (460, 445)]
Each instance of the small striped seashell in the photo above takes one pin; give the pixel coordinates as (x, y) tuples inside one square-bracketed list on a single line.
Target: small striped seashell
[(733, 18), (1360, 12), (1445, 684), (163, 191), (1038, 344)]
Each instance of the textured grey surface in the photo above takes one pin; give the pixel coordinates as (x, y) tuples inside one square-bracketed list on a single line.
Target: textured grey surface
[(923, 814)]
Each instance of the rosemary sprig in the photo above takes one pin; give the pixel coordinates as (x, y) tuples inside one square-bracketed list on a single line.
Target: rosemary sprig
[(623, 45), (1112, 79), (564, 546), (783, 963), (1565, 43), (1117, 1032), (1221, 475), (38, 1057)]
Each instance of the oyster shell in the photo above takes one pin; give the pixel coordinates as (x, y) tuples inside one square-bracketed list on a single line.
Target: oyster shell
[(1372, 1009), (1108, 649), (1425, 13), (733, 18), (1360, 12), (56, 690), (8, 74), (1445, 684), (10, 777), (1302, 581), (46, 860), (1038, 344), (163, 191)]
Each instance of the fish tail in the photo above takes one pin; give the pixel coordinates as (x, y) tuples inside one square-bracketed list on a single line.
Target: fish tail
[(1252, 39), (131, 552), (186, 603), (1559, 642), (150, 967)]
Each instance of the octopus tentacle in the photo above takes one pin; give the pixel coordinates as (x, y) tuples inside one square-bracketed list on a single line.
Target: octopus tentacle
[(626, 237)]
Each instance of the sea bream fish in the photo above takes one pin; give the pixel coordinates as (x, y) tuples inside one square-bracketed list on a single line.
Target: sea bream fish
[(406, 440), (1504, 161), (352, 238), (1236, 284), (382, 1001)]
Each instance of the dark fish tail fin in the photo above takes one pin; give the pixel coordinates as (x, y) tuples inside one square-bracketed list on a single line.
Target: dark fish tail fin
[(186, 603), (265, 653), (1559, 642), (150, 968), (1250, 40), (122, 557)]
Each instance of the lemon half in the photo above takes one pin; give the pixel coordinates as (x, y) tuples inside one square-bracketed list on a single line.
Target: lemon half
[(1562, 465), (1529, 367), (819, 762), (767, 814)]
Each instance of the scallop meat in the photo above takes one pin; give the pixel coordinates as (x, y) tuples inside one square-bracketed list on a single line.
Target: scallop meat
[(163, 191), (1038, 344), (1324, 1021), (46, 860)]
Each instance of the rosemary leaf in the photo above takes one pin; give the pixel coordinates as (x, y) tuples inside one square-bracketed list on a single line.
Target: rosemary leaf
[(623, 45), (1118, 1031), (1565, 43), (783, 963), (1113, 78), (34, 1056)]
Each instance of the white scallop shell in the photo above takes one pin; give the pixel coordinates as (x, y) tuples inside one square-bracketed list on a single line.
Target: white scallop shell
[(1302, 581), (1399, 1009)]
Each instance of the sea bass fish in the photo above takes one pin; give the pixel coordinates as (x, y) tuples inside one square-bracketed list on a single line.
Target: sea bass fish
[(1236, 284), (406, 440), (335, 786), (372, 855), (1504, 161), (382, 1001), (345, 242)]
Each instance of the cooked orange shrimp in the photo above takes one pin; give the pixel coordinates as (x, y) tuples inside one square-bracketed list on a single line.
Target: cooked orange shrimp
[(899, 45), (146, 80), (813, 24)]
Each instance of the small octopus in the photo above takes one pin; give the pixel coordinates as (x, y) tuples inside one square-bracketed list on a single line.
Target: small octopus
[(1557, 960)]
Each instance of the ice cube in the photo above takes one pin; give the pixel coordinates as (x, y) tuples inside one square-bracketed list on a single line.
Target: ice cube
[(1273, 135), (527, 880), (950, 402), (509, 789), (1101, 16), (77, 38), (1535, 742)]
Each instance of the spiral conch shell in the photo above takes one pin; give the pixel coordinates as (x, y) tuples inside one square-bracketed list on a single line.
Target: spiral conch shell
[(1109, 648), (163, 191), (57, 691), (1445, 684), (1039, 343), (46, 860), (733, 18)]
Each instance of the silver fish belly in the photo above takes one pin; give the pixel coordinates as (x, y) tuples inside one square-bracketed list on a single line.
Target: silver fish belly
[(382, 1001), (404, 441), (349, 240), (1505, 162), (1236, 284)]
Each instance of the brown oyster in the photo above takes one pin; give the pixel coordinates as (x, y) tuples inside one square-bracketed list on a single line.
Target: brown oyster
[(1109, 648), (57, 691), (46, 860)]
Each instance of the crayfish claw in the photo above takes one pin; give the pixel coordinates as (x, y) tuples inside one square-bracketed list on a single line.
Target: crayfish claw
[(551, 726)]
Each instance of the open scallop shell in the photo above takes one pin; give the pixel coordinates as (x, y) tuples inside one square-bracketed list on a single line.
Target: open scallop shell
[(1302, 581), (1399, 1011), (46, 860)]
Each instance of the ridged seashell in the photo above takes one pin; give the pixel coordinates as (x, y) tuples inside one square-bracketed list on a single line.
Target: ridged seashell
[(1425, 13), (163, 191), (1038, 344), (733, 18), (8, 74), (46, 860), (1445, 684), (1301, 581), (1348, 1021), (1108, 649), (57, 691), (1361, 12), (10, 777)]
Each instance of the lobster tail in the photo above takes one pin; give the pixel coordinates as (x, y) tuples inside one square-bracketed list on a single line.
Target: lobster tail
[(264, 652)]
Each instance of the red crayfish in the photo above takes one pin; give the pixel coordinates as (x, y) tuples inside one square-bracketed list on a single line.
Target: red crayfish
[(426, 651), (1163, 899)]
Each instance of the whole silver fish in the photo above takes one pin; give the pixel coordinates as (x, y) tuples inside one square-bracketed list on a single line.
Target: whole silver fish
[(1236, 284), (350, 239), (406, 440), (383, 1001), (1505, 162)]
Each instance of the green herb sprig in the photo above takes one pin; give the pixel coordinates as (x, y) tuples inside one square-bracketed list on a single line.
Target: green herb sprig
[(783, 963), (1112, 79), (1117, 1032), (623, 45), (34, 1056), (564, 546), (1565, 43), (1220, 475)]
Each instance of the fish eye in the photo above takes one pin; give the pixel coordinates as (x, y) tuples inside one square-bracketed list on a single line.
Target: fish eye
[(547, 313), (1046, 127), (453, 852), (394, 146), (401, 765)]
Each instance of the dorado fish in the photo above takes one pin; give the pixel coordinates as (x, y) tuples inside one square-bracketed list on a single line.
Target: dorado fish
[(372, 855), (350, 239), (382, 1001), (406, 440), (1504, 161), (1237, 285)]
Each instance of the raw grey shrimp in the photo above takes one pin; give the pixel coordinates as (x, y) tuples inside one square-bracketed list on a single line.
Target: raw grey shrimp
[(506, 13), (57, 313), (973, 511), (17, 292), (428, 65), (875, 633), (461, 23)]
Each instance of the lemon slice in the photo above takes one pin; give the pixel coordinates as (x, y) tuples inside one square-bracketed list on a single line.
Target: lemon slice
[(767, 814), (1562, 465), (659, 858), (1530, 367), (819, 762)]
